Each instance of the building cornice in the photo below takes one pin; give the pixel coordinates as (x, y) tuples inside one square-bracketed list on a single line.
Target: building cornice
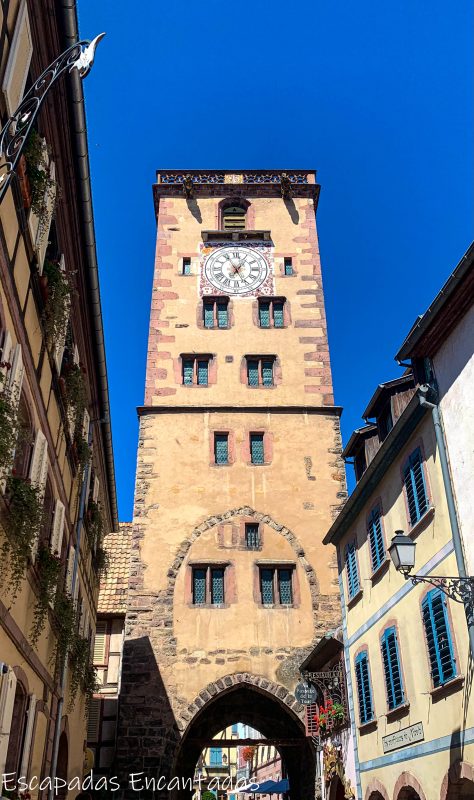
[(383, 459), (188, 409)]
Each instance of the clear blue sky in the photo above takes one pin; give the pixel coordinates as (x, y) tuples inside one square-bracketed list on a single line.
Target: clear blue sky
[(376, 96)]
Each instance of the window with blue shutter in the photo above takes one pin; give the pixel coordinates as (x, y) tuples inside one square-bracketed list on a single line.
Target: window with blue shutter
[(188, 371), (203, 373), (199, 586), (267, 373), (252, 373), (252, 536), (264, 313), (186, 266), (266, 584), (415, 486), (257, 449), (438, 637), (221, 448), (364, 692), (208, 306), (278, 318), (353, 582), (392, 669), (284, 586), (217, 586), (288, 266), (376, 543), (222, 314), (215, 757)]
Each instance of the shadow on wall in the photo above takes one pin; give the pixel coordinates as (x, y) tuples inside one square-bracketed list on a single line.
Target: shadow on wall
[(147, 734), (292, 211), (194, 209)]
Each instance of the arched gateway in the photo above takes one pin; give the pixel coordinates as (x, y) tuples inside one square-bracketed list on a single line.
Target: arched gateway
[(239, 476)]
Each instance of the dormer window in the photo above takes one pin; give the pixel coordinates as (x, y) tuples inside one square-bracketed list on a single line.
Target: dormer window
[(385, 422)]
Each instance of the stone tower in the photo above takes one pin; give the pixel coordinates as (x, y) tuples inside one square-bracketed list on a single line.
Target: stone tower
[(239, 473)]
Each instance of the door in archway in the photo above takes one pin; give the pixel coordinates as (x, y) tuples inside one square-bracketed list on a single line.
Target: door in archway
[(61, 769), (408, 793), (461, 790), (17, 730), (336, 789)]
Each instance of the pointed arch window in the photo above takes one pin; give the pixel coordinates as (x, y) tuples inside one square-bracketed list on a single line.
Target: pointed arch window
[(233, 217)]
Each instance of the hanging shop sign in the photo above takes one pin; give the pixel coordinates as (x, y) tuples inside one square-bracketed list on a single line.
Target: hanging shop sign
[(305, 694)]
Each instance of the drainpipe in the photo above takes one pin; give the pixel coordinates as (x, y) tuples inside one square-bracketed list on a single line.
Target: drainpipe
[(424, 392), (67, 13), (63, 677)]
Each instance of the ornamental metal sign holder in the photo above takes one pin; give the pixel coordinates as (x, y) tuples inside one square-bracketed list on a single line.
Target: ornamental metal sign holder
[(14, 134)]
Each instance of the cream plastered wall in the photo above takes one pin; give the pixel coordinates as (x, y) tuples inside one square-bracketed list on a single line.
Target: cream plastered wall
[(176, 306), (442, 713), (184, 488)]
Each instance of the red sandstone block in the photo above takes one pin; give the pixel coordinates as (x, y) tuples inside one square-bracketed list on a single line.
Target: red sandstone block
[(164, 249), (167, 295), (162, 282), (308, 339), (167, 219), (164, 392), (314, 372), (307, 323), (325, 389), (163, 355), (312, 389), (162, 338), (311, 357), (328, 400), (161, 374)]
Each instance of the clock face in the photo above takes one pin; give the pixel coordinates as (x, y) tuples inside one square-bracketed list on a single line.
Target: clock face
[(236, 270)]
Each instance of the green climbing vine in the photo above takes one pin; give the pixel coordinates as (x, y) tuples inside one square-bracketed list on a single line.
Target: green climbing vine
[(44, 189), (58, 301), (23, 526), (48, 569), (83, 673)]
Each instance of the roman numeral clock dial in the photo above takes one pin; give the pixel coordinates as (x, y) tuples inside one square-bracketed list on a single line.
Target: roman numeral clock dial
[(236, 270)]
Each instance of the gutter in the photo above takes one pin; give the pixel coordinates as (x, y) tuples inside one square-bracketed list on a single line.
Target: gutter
[(421, 326), (67, 12), (389, 449)]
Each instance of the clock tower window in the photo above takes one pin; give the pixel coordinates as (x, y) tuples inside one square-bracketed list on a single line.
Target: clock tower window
[(195, 370), (215, 312), (260, 371), (233, 218), (271, 312)]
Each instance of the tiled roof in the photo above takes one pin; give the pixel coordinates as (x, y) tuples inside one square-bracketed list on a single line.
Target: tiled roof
[(113, 585)]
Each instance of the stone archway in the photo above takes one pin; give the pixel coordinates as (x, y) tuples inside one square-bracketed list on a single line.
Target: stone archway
[(255, 701), (458, 783), (408, 787), (376, 791)]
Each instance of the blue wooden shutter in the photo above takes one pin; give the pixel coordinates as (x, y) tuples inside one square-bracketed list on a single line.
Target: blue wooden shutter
[(257, 450), (438, 636), (352, 569), (221, 448), (377, 551), (252, 373), (392, 669), (217, 586), (414, 480), (222, 315), (284, 586), (278, 313), (188, 370), (267, 372), (252, 537), (216, 757), (264, 313), (266, 582), (203, 373), (208, 313), (364, 692), (199, 586)]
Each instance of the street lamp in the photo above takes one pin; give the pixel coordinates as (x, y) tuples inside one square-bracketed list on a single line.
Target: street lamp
[(13, 136), (402, 553)]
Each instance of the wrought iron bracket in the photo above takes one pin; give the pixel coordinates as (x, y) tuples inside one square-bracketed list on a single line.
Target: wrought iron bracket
[(330, 682), (459, 589), (14, 134)]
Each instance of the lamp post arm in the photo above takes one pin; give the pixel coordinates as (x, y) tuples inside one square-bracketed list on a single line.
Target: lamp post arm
[(459, 589), (14, 134)]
